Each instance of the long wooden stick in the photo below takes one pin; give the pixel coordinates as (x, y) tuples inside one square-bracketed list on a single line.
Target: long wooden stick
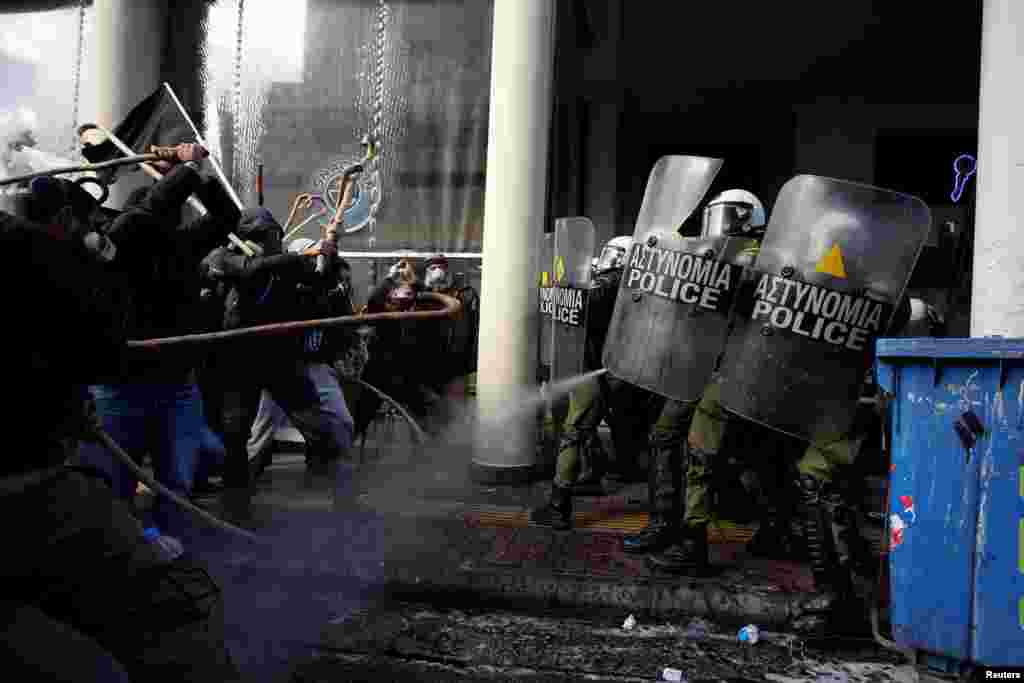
[(452, 307), (193, 201), (134, 159)]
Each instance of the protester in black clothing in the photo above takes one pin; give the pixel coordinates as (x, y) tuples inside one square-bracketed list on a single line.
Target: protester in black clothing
[(261, 290), (395, 365), (154, 406), (83, 591), (324, 297)]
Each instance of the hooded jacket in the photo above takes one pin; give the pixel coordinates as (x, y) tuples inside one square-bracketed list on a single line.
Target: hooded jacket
[(157, 265)]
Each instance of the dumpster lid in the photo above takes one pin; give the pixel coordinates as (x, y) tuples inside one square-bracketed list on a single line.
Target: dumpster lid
[(971, 347)]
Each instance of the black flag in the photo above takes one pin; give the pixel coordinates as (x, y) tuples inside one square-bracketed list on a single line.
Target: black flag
[(156, 120)]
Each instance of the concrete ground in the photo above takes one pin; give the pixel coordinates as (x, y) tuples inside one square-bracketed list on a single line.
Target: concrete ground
[(422, 532), (427, 642)]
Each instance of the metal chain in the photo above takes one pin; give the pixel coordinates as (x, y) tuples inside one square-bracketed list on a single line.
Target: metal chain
[(79, 58), (378, 74), (236, 104), (377, 122)]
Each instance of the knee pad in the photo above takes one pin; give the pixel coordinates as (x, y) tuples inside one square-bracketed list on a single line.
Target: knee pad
[(576, 437)]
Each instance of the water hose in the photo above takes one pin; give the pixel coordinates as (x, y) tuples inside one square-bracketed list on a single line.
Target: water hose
[(420, 436)]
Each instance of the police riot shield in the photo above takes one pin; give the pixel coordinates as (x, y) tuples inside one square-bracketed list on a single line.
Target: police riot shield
[(834, 263), (575, 240), (671, 313), (545, 283)]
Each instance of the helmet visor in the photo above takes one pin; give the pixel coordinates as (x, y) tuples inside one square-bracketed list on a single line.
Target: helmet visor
[(729, 218), (611, 257)]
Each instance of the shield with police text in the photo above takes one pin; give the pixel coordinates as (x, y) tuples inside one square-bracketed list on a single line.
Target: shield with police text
[(567, 298), (671, 313), (544, 284), (834, 263)]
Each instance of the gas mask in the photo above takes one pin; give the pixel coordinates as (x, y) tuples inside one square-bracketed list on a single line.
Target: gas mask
[(401, 298), (100, 246), (437, 277)]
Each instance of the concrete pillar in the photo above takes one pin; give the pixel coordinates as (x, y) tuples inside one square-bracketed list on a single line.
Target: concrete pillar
[(517, 150), (997, 294), (129, 42)]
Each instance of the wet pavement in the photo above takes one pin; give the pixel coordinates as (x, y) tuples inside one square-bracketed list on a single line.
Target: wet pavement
[(408, 641), (422, 532)]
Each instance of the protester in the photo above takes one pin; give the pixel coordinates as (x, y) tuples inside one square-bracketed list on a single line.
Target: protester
[(85, 595), (262, 290), (329, 297), (155, 407)]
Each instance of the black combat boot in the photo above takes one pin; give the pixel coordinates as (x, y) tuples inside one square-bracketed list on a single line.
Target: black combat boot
[(688, 555), (817, 522), (773, 539), (664, 491), (558, 511), (774, 536), (594, 464)]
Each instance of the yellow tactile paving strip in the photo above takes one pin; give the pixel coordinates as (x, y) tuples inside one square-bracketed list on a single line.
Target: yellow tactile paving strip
[(620, 522)]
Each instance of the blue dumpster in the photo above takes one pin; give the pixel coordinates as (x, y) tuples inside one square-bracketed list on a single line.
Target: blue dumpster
[(956, 510)]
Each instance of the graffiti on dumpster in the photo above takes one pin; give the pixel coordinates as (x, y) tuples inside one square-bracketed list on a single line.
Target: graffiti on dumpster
[(900, 522)]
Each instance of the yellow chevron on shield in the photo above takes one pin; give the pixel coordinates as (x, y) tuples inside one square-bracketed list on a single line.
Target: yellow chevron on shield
[(832, 263), (559, 269)]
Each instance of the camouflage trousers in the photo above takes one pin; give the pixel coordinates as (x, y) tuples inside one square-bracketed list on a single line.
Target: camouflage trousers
[(581, 455), (666, 440), (707, 432)]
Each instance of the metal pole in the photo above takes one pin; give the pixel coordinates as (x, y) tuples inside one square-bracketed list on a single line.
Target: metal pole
[(213, 160)]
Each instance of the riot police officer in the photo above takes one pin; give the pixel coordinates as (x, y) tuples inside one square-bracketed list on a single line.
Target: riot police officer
[(582, 461), (737, 214)]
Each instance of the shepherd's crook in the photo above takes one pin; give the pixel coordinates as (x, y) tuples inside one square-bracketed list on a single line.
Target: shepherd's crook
[(135, 159), (452, 306)]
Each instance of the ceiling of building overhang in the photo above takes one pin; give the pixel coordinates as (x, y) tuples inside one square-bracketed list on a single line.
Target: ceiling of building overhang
[(15, 6), (858, 47)]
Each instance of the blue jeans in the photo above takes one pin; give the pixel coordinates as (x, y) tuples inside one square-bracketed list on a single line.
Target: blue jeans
[(211, 449), (327, 429), (164, 420)]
